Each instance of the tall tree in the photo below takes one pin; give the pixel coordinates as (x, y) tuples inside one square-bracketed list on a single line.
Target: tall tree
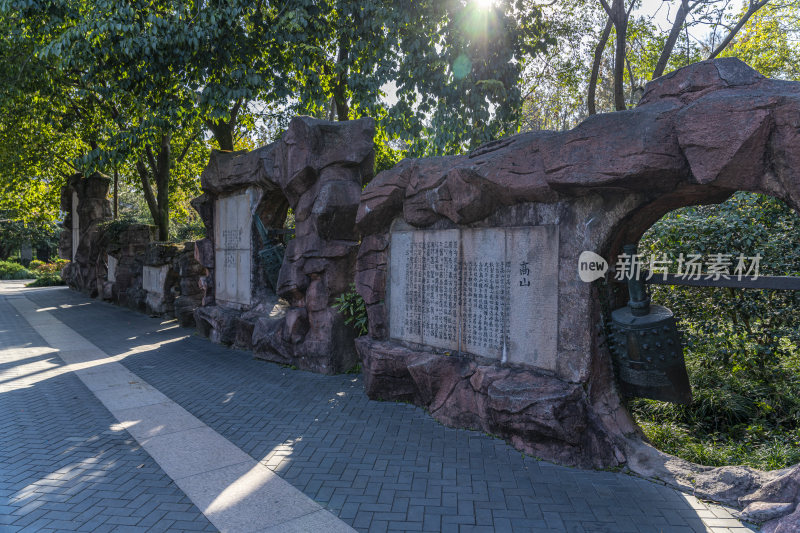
[(160, 72), (453, 66), (708, 11)]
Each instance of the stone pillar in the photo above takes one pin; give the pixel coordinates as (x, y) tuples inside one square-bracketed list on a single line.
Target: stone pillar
[(86, 202)]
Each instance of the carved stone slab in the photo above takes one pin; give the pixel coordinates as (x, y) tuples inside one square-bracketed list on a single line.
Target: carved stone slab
[(154, 278), (112, 268), (232, 253), (487, 291)]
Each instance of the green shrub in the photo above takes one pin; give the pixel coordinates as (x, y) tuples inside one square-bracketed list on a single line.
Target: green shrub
[(351, 306), (46, 280), (36, 263), (9, 270)]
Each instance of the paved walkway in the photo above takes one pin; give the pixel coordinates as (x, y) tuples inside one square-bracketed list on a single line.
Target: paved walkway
[(115, 421)]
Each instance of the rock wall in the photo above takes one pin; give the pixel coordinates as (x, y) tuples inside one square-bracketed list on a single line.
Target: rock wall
[(126, 247), (171, 281), (698, 135), (109, 259), (316, 169)]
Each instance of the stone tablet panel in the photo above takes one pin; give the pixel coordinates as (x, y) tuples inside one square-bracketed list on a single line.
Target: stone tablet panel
[(76, 232), (533, 295), (112, 268), (491, 292), (405, 271), (485, 288), (232, 253), (154, 279), (440, 288)]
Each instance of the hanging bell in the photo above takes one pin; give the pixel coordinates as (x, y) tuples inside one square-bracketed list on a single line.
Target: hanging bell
[(647, 348)]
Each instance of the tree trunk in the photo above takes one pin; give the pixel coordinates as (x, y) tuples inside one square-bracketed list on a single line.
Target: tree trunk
[(116, 193), (621, 25), (223, 134), (340, 90), (666, 52), (158, 171), (162, 184), (222, 131), (598, 57)]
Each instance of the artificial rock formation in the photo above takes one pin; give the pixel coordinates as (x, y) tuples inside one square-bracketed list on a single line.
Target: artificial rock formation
[(316, 169), (698, 135), (78, 240), (113, 260), (171, 281), (121, 251)]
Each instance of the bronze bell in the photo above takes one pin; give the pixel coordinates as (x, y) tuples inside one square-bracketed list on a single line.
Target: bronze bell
[(647, 348)]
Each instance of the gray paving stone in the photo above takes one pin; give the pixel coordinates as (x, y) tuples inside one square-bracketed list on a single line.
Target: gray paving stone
[(62, 431), (377, 465)]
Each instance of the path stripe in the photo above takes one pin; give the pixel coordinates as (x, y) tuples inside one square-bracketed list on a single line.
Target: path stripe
[(233, 490)]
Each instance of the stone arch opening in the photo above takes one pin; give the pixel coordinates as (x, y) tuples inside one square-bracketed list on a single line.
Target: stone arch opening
[(741, 335)]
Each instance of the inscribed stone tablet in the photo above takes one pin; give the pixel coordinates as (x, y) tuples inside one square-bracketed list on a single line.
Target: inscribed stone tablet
[(440, 283), (154, 279), (76, 233), (112, 268), (406, 301), (484, 288), (487, 291), (232, 255), (533, 320)]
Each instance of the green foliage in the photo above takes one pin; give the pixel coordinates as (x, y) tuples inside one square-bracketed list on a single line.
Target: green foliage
[(351, 305), (770, 42), (9, 270), (47, 274), (452, 66), (743, 346), (14, 232), (46, 280), (191, 230)]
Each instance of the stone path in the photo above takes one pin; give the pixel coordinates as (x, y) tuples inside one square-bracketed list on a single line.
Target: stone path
[(67, 463)]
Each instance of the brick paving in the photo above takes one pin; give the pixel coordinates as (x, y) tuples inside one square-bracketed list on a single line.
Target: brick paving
[(379, 466), (64, 466)]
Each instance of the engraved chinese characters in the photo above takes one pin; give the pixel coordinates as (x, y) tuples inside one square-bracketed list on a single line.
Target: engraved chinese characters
[(232, 255), (487, 291)]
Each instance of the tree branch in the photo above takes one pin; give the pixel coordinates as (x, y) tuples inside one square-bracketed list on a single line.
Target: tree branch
[(187, 146), (754, 6), (151, 159), (608, 9)]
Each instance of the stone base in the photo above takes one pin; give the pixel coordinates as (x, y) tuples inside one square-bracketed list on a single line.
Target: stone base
[(134, 298), (183, 310), (327, 348), (540, 415), (217, 323)]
